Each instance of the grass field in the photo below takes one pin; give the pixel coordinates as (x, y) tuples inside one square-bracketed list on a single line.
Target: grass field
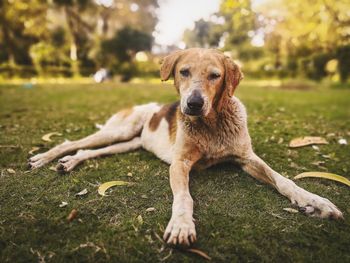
[(238, 219)]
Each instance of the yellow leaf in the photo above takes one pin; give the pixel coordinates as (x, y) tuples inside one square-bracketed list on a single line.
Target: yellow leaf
[(199, 252), (150, 209), (34, 149), (291, 210), (329, 176), (47, 137), (105, 186), (11, 171), (140, 219), (307, 140)]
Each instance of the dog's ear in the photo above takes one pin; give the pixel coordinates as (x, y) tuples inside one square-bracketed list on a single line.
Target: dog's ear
[(168, 64), (233, 75)]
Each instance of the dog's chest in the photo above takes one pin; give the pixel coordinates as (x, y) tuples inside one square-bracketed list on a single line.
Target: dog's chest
[(216, 145), (216, 141)]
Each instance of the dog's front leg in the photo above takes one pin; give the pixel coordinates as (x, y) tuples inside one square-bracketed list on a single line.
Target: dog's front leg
[(181, 229), (309, 203)]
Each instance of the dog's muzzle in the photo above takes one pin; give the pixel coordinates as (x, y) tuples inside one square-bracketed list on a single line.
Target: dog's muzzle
[(195, 104)]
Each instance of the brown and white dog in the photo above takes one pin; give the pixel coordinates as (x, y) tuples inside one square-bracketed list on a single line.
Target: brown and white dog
[(207, 126)]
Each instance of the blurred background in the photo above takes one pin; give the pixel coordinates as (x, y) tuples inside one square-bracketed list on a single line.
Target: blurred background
[(295, 56), (124, 39)]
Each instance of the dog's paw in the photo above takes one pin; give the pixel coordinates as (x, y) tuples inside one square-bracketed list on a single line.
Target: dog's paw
[(67, 164), (314, 205), (180, 231), (38, 160)]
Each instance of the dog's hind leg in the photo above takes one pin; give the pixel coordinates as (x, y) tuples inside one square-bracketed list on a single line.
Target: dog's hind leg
[(122, 126), (67, 163)]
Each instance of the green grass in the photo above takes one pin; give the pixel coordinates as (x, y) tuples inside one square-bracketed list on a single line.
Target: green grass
[(238, 219)]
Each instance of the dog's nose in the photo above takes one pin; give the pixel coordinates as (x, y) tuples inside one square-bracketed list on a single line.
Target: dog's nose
[(195, 102)]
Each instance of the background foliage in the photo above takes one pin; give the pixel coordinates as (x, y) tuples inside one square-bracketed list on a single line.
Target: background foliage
[(72, 37), (284, 38), (271, 38)]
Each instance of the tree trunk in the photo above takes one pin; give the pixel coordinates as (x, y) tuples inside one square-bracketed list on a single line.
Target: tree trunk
[(73, 44), (9, 45)]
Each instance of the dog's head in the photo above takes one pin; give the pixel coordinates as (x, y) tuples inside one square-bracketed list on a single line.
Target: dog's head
[(203, 78)]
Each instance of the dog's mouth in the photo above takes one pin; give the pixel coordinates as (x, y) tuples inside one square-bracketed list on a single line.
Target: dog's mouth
[(193, 112)]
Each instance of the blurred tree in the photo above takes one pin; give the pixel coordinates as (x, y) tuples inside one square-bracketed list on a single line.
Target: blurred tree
[(233, 33), (123, 46), (67, 33), (273, 44), (240, 20), (51, 55), (205, 34), (241, 26), (137, 14), (343, 56), (79, 29), (307, 30), (22, 23)]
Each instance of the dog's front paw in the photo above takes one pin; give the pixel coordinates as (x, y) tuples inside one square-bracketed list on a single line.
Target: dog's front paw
[(38, 160), (314, 205), (180, 231), (67, 164)]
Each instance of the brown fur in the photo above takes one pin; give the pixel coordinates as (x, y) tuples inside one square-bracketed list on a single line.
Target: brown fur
[(169, 112), (218, 91)]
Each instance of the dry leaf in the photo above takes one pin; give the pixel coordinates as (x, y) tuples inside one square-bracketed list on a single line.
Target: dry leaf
[(327, 156), (342, 142), (329, 176), (82, 192), (277, 216), (129, 174), (167, 256), (105, 186), (150, 209), (53, 168), (140, 219), (9, 146), (10, 171), (316, 148), (199, 252), (47, 137), (307, 140), (63, 204), (318, 163), (291, 210), (33, 150), (72, 215), (90, 245)]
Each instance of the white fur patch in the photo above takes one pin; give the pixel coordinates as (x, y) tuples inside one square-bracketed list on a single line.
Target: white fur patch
[(158, 141)]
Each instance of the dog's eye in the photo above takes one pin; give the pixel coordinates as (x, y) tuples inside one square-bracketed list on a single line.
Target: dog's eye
[(185, 72), (213, 76)]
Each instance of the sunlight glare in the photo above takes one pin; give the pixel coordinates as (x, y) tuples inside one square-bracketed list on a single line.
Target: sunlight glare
[(177, 15)]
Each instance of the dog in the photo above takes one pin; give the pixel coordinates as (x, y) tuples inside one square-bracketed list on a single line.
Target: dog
[(207, 126)]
